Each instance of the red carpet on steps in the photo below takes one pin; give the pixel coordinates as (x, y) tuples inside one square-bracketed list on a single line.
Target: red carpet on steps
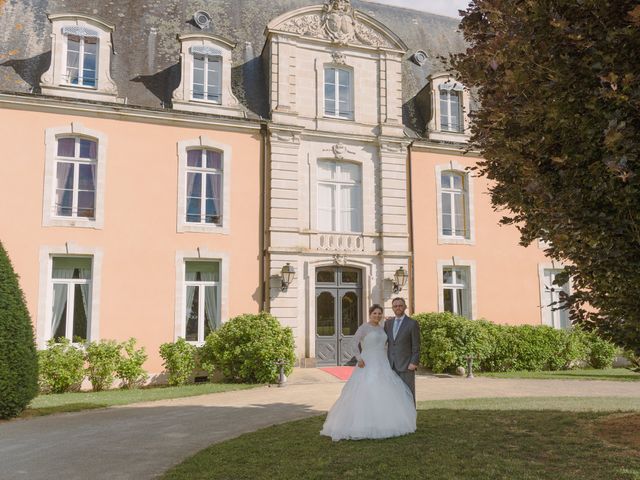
[(343, 373)]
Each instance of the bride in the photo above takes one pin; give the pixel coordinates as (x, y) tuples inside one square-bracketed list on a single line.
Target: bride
[(375, 402)]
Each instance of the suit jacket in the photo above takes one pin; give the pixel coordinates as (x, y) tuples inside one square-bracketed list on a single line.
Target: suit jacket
[(405, 348)]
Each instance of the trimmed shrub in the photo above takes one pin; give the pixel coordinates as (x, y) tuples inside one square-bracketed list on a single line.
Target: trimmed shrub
[(129, 369), (446, 339), (601, 353), (102, 360), (179, 361), (18, 357), (247, 347), (61, 366)]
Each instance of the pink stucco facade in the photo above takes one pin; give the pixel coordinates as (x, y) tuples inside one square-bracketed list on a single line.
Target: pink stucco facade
[(139, 241), (507, 283)]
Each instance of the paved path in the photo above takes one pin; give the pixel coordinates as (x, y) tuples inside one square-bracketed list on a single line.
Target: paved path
[(142, 441)]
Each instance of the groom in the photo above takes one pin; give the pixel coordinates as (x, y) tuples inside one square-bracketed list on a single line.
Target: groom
[(403, 348)]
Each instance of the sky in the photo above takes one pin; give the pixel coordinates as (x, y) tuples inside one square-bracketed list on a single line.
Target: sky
[(441, 7)]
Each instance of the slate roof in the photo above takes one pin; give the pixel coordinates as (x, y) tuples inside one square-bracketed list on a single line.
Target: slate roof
[(146, 68)]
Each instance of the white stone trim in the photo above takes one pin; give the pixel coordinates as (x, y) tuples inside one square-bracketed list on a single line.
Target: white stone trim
[(49, 219), (45, 296), (434, 127), (206, 143), (473, 292), (456, 167), (542, 266), (53, 80), (200, 254), (182, 96)]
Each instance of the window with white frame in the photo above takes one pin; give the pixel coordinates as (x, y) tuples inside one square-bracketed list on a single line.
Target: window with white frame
[(552, 293), (451, 119), (456, 293), (71, 290), (82, 59), (338, 93), (75, 177), (339, 196), (207, 77), (202, 294), (204, 177), (454, 197)]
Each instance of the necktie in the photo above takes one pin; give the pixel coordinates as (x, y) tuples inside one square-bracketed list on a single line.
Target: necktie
[(396, 326)]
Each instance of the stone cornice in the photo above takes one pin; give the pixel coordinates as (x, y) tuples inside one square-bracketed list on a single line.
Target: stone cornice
[(118, 112), (453, 149)]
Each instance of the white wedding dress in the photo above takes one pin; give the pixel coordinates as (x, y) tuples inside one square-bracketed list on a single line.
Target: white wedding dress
[(375, 402)]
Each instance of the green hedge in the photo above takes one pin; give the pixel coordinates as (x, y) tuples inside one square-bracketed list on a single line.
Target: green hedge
[(446, 339), (247, 347)]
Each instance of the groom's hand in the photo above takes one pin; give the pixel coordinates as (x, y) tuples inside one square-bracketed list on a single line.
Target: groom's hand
[(361, 364), (412, 367)]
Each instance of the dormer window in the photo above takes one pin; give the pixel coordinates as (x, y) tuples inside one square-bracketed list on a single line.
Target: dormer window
[(82, 56), (449, 109), (206, 76), (81, 59)]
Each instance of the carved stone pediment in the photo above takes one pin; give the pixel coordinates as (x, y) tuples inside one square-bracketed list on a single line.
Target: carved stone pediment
[(339, 23)]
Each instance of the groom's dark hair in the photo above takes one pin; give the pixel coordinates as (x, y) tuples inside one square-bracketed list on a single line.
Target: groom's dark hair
[(401, 299)]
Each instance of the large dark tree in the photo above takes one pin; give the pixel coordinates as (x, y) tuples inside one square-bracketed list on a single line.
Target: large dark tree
[(18, 360), (558, 82)]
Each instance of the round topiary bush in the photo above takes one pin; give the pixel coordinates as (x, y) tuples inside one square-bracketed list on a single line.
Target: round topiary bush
[(18, 357), (247, 347), (179, 361)]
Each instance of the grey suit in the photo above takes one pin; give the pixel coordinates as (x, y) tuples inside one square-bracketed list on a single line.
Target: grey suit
[(404, 349)]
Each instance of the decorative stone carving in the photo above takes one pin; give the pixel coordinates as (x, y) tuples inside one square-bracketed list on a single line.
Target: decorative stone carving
[(286, 137), (339, 150), (339, 260), (338, 23), (338, 58), (388, 147)]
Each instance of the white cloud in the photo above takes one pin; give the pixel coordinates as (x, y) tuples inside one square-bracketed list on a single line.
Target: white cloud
[(441, 7)]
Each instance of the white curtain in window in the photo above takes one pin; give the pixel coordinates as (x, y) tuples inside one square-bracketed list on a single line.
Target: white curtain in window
[(59, 294), (326, 207), (85, 273)]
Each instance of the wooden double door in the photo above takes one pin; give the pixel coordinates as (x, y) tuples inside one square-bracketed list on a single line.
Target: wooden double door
[(338, 314)]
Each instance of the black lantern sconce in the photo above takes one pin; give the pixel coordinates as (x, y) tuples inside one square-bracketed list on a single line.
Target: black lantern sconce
[(287, 273), (399, 280)]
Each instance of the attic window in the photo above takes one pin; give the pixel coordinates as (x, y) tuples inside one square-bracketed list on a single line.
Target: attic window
[(82, 57), (448, 86)]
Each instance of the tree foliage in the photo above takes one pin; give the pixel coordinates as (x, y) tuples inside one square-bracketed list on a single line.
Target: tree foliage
[(559, 133), (18, 358)]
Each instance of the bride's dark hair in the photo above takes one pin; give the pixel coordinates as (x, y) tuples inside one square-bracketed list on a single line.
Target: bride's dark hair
[(374, 307)]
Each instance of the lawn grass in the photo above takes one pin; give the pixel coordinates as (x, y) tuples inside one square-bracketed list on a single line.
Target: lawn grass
[(73, 402), (617, 374), (495, 441)]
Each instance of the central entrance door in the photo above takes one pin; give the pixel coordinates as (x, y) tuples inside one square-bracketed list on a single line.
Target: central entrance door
[(338, 313)]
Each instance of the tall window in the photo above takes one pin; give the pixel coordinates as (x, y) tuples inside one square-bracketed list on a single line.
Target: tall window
[(551, 295), (202, 284), (451, 110), (455, 290), (338, 97), (339, 196), (204, 186), (75, 177), (82, 60), (207, 78), (71, 279), (455, 218)]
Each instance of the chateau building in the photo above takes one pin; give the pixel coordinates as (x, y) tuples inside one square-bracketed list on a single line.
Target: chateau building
[(169, 166)]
